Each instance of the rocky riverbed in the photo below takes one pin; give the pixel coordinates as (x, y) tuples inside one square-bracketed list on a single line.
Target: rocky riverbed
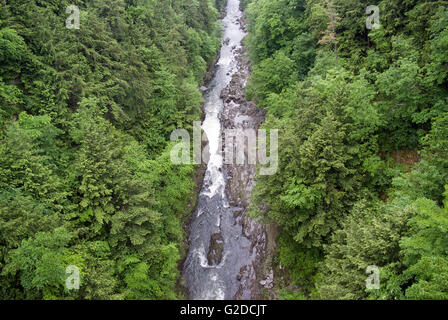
[(238, 113), (227, 258)]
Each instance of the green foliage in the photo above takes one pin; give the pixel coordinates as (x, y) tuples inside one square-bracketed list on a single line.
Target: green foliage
[(40, 261), (323, 150), (299, 261), (291, 295), (273, 74), (370, 235), (279, 43), (27, 160), (362, 144), (420, 270), (85, 120), (13, 52)]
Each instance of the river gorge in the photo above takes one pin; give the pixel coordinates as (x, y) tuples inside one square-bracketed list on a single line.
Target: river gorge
[(226, 246)]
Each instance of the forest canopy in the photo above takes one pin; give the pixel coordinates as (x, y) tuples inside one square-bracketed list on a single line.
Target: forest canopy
[(362, 115), (86, 116), (85, 120)]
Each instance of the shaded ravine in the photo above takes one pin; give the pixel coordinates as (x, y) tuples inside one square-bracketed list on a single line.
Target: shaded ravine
[(225, 245)]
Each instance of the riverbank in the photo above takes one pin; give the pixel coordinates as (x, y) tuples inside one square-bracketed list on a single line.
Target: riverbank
[(227, 257), (239, 113), (198, 177), (220, 261)]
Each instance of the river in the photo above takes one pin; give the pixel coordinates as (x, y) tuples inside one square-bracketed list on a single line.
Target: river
[(225, 245)]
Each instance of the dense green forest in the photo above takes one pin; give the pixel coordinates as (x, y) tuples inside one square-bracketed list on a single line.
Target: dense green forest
[(363, 119), (85, 121), (86, 116)]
